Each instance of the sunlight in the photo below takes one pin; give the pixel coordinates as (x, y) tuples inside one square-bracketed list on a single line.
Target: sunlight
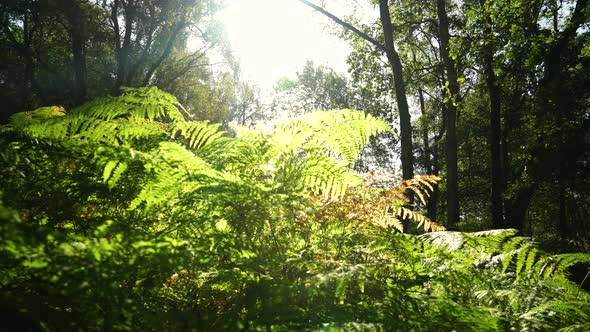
[(273, 38)]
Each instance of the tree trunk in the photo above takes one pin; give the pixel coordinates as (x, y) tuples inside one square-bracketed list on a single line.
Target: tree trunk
[(405, 122), (428, 163), (425, 139), (453, 97), (497, 176), (518, 207), (431, 208), (122, 46), (562, 212), (77, 28)]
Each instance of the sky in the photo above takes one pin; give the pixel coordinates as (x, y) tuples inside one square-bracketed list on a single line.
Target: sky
[(274, 38)]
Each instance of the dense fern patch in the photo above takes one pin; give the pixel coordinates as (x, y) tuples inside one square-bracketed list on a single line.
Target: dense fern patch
[(124, 215)]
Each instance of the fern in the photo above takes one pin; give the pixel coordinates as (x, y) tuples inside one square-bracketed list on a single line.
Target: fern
[(176, 171), (450, 240), (421, 185), (314, 152), (530, 261), (548, 316), (509, 250), (341, 133), (373, 204), (23, 119), (199, 135), (112, 172), (141, 103), (238, 225)]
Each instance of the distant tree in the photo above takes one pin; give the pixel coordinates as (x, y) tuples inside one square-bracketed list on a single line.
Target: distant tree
[(67, 51), (453, 97), (146, 32), (314, 88)]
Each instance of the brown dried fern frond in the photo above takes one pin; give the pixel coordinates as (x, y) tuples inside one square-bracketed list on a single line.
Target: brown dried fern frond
[(378, 203), (421, 185)]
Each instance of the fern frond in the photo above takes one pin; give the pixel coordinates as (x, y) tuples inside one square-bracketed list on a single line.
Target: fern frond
[(321, 175), (313, 153), (522, 255), (450, 240), (420, 219), (143, 103), (551, 315), (110, 120), (22, 119), (177, 171), (342, 133), (201, 136), (559, 264), (421, 185), (509, 250), (530, 261), (112, 172), (497, 234), (492, 239), (132, 129)]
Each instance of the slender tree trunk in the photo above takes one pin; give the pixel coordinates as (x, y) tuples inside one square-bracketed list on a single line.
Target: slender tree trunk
[(165, 53), (425, 139), (497, 176), (407, 157), (563, 222), (428, 162), (496, 154), (77, 31), (518, 207), (451, 141), (122, 46), (431, 208)]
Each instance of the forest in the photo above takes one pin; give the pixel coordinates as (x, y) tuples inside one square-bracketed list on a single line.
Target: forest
[(442, 184)]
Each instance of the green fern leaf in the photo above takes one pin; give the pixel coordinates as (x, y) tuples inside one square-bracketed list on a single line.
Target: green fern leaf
[(521, 257), (509, 250)]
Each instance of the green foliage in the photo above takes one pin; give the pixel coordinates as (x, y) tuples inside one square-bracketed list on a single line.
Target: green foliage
[(122, 215), (316, 87), (535, 286)]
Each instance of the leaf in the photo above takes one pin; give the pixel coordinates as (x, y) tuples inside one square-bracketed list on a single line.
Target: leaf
[(108, 170)]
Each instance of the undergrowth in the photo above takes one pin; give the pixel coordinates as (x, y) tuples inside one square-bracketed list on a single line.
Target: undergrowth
[(124, 215)]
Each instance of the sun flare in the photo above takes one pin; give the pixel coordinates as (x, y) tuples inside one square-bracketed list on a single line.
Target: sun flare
[(273, 38)]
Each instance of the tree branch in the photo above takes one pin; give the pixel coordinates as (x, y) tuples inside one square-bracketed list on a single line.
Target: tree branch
[(346, 25), (165, 53)]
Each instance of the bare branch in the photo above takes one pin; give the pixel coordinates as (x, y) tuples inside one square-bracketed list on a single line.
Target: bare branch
[(346, 25)]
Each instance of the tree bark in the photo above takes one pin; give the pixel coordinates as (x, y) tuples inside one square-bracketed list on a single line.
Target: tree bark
[(453, 97), (165, 53), (497, 176), (77, 31), (428, 163), (405, 122), (518, 207), (122, 46)]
